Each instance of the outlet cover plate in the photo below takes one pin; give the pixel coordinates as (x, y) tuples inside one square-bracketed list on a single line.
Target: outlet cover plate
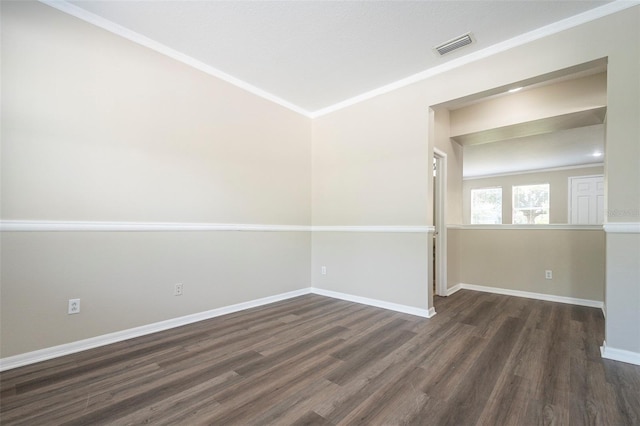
[(74, 306), (178, 289)]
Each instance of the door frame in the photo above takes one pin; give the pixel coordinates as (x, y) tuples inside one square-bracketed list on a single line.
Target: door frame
[(440, 221)]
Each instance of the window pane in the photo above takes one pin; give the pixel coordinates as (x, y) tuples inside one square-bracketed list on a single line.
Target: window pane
[(486, 206), (531, 204)]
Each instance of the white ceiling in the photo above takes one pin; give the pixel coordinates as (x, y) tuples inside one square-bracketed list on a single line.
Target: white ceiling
[(314, 54), (558, 149)]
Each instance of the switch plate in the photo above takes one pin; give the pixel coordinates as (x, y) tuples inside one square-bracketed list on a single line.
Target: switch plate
[(73, 307), (548, 274), (323, 270)]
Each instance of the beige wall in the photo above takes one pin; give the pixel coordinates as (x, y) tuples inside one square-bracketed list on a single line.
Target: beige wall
[(97, 128), (558, 181), (369, 163), (372, 160), (126, 279), (517, 259), (376, 265)]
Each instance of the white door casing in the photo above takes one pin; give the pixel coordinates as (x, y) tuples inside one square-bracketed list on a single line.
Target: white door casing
[(440, 223)]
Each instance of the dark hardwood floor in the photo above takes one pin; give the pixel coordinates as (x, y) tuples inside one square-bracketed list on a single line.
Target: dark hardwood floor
[(484, 359)]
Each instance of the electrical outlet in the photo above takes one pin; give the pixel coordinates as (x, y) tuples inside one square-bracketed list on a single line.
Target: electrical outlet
[(323, 270), (178, 289), (74, 306), (548, 274)]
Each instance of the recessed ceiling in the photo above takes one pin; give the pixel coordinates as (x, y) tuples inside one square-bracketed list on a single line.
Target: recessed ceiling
[(559, 149), (314, 54), (557, 123)]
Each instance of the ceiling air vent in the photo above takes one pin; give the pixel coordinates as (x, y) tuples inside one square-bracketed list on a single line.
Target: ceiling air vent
[(454, 44)]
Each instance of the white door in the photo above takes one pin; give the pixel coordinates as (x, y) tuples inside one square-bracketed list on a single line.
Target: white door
[(587, 200)]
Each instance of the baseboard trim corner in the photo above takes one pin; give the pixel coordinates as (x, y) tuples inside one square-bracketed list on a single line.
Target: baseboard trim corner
[(425, 313), (530, 295), (33, 357), (619, 354), (456, 288)]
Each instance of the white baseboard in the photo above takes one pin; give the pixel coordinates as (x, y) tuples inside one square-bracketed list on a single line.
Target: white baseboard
[(21, 360), (118, 336), (425, 313), (619, 354), (454, 289), (528, 295)]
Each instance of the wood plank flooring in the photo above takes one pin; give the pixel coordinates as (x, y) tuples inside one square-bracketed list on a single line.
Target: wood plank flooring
[(484, 359)]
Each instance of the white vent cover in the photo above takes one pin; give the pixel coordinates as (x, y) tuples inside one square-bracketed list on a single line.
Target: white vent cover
[(454, 44)]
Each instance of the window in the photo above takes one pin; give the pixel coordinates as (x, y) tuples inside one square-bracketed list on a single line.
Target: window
[(486, 206), (531, 204)]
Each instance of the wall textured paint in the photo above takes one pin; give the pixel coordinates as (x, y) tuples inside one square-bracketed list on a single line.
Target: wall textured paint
[(558, 181), (97, 128)]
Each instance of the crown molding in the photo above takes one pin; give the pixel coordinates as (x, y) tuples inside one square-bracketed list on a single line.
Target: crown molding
[(554, 28), (142, 40), (588, 16)]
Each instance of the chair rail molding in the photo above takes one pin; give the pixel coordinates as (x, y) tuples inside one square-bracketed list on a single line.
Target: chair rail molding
[(107, 226)]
